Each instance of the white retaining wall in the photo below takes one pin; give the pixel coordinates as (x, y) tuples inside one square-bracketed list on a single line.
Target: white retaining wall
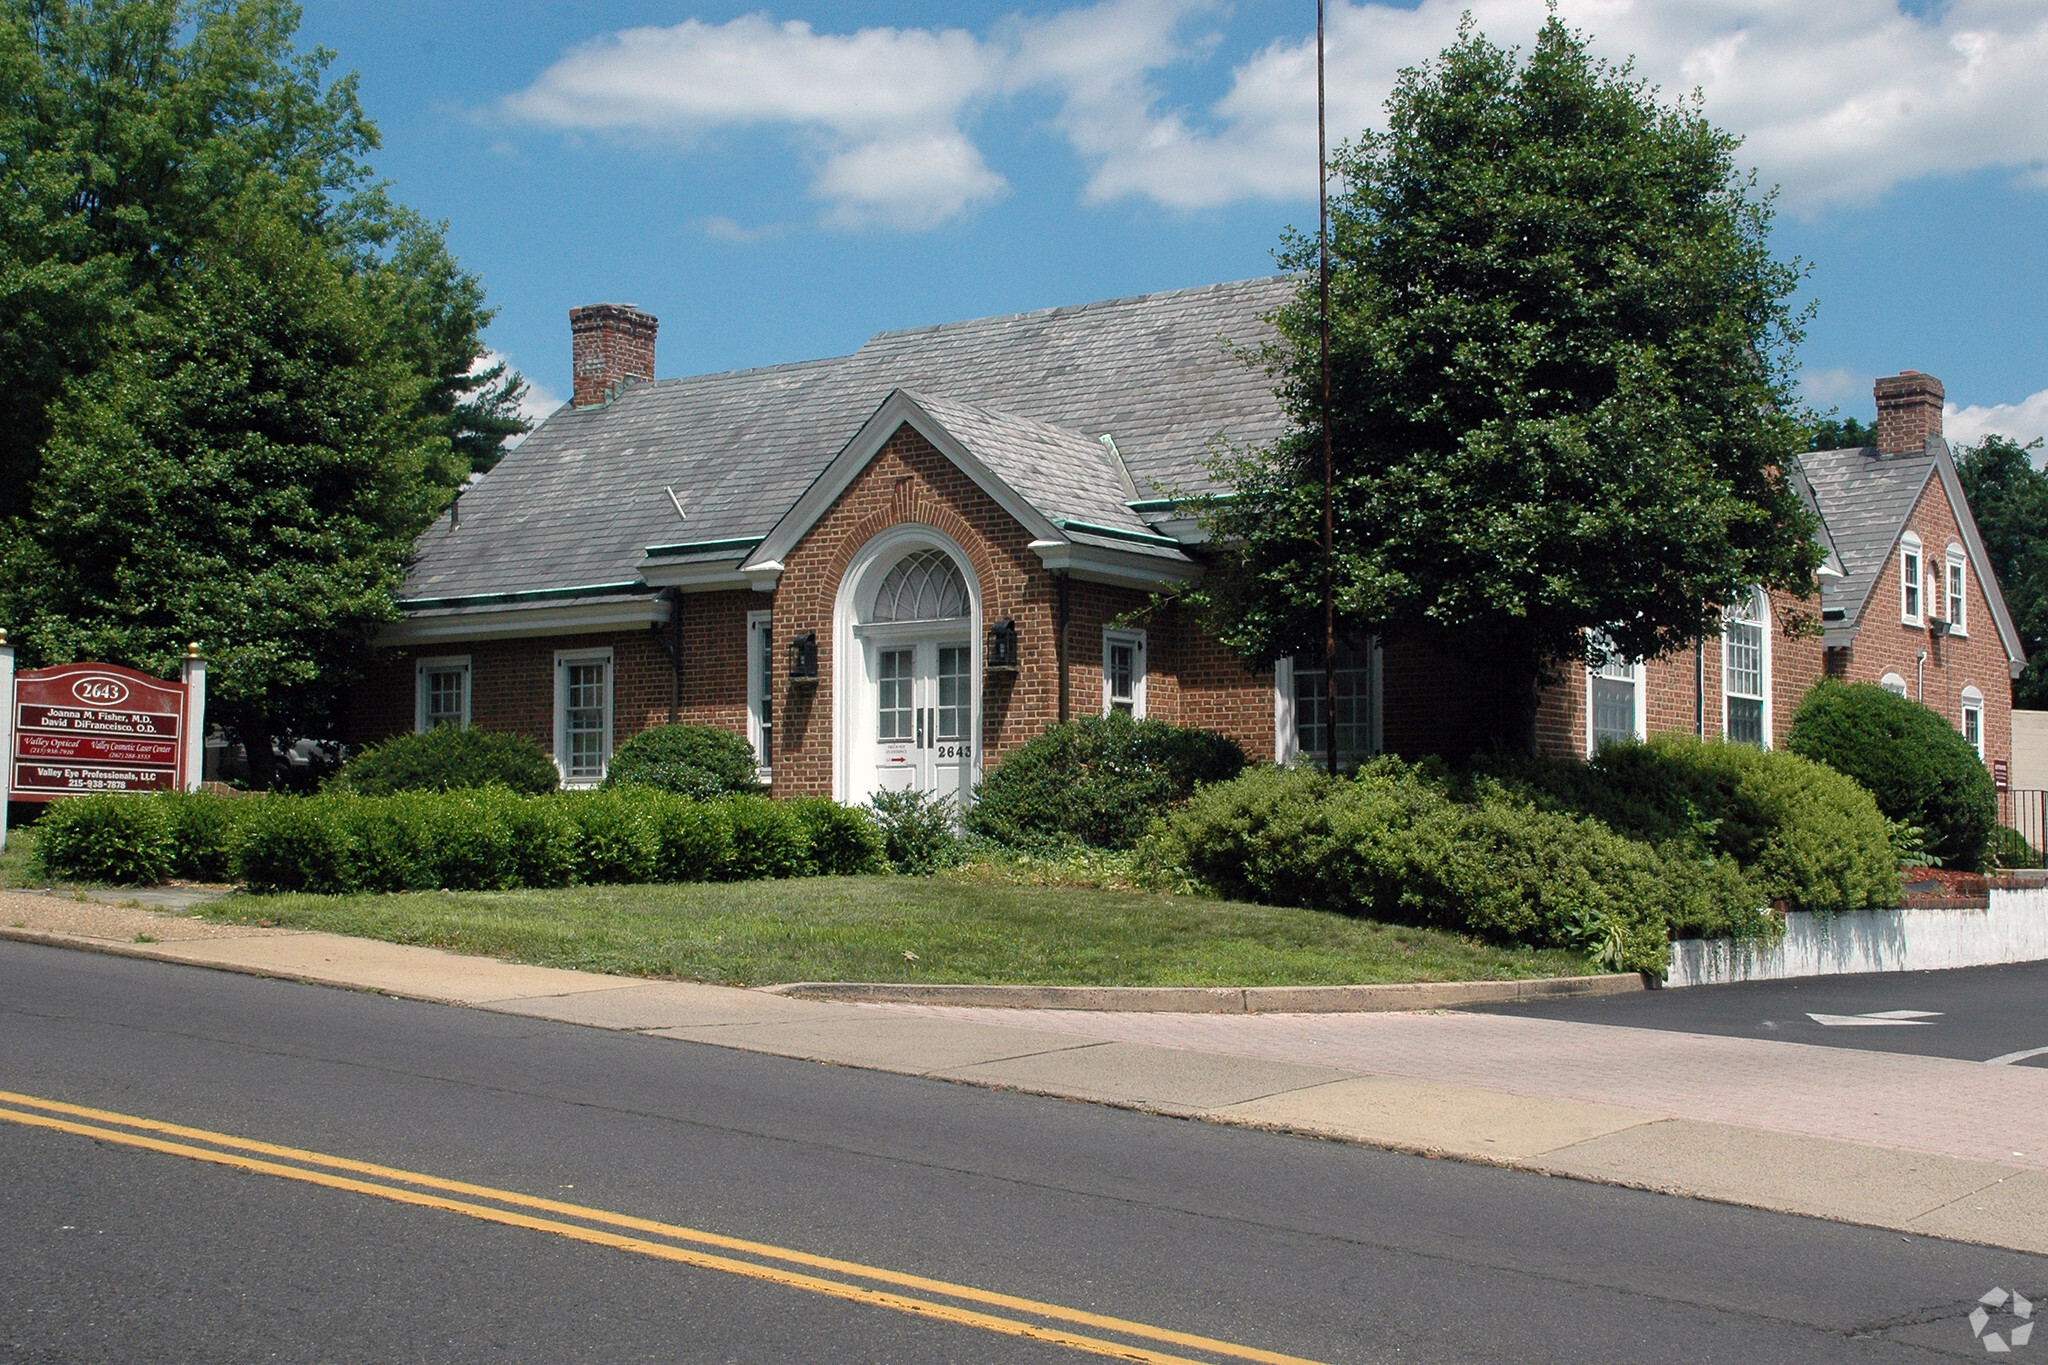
[(2013, 929)]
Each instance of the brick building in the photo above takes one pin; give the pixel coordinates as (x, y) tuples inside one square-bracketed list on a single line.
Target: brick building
[(890, 568)]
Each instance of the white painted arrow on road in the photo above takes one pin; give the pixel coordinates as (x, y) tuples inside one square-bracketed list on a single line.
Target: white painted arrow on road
[(1880, 1019)]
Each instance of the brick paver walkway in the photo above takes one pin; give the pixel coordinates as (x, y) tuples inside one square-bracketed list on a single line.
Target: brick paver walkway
[(1923, 1104)]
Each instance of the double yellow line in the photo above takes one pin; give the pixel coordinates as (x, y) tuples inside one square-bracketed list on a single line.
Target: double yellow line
[(592, 1226)]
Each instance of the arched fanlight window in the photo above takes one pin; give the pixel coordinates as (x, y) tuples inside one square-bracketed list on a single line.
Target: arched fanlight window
[(924, 586)]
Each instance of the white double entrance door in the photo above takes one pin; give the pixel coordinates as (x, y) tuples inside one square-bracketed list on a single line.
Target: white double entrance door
[(923, 721)]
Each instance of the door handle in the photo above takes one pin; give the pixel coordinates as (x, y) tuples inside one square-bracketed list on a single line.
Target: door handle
[(920, 727)]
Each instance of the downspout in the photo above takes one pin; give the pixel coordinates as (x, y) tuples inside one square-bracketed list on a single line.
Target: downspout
[(1060, 639), (1699, 688), (1923, 677)]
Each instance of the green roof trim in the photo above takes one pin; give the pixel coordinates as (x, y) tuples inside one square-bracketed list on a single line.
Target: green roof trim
[(1149, 506), (1114, 532), (738, 545), (507, 599)]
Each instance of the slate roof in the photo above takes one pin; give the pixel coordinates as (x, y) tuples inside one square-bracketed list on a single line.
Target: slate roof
[(1865, 499), (582, 499)]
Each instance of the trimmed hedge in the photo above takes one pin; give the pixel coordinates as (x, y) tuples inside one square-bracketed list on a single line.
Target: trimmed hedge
[(699, 761), (1809, 836), (477, 839), (1392, 843), (1098, 781), (1918, 766), (449, 758)]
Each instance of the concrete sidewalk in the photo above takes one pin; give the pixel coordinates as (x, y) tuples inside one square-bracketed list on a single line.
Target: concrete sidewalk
[(1918, 1144)]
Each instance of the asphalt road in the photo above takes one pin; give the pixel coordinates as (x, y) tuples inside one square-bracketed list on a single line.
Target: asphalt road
[(117, 1253), (1975, 1014)]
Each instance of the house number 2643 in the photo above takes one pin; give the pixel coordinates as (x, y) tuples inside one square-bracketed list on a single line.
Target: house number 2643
[(954, 750)]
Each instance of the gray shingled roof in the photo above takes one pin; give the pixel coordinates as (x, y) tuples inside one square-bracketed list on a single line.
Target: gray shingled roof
[(1865, 498), (579, 502)]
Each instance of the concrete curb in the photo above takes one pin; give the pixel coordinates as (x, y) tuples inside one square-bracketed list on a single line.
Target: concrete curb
[(1421, 995)]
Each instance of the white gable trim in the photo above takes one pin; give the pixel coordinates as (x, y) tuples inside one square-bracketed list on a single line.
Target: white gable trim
[(897, 410), (1980, 558)]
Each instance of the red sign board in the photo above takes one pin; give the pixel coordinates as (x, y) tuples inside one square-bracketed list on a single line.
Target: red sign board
[(85, 728), (2001, 774)]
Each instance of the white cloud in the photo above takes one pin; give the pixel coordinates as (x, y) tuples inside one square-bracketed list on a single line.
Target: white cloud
[(880, 109), (1838, 101), (2024, 421), (727, 230), (537, 403), (1832, 388)]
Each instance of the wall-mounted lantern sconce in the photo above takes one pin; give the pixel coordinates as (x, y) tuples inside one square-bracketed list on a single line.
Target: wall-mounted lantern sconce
[(1002, 646), (803, 658)]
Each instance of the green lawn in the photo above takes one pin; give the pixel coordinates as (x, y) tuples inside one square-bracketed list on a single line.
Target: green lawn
[(14, 868), (943, 929)]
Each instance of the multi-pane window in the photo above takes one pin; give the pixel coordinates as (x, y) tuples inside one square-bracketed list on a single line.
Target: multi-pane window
[(1354, 713), (1973, 719), (1742, 651), (953, 695), (893, 723), (1123, 672), (1615, 688), (443, 693), (1909, 578), (583, 716), (761, 687), (1957, 597)]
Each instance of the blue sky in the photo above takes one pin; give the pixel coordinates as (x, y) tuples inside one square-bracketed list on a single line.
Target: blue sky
[(780, 184)]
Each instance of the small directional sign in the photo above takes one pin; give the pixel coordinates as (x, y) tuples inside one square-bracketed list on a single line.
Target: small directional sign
[(1879, 1019)]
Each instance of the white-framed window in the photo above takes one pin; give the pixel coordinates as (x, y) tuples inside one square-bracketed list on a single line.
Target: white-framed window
[(442, 693), (1911, 588), (583, 715), (1614, 704), (1123, 672), (1300, 706), (1973, 719), (1746, 671), (761, 689), (1958, 596), (1893, 683)]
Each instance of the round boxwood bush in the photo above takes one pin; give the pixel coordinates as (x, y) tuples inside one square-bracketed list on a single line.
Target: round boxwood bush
[(700, 761), (449, 757), (128, 840), (1920, 769), (1099, 781)]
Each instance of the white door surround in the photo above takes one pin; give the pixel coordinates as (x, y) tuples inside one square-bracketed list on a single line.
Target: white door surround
[(858, 646)]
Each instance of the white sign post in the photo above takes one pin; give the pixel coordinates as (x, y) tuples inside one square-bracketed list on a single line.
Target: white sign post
[(195, 722), (6, 731)]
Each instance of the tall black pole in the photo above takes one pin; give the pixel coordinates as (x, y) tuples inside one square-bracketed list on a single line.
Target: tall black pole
[(1329, 460)]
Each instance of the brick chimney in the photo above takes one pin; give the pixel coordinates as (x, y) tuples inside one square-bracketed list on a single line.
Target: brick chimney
[(613, 347), (1908, 411)]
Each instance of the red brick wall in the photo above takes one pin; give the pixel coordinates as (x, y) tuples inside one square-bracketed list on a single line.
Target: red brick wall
[(1885, 644), (512, 685)]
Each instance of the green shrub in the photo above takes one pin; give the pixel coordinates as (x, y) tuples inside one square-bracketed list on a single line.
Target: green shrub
[(205, 830), (2008, 848), (617, 838), (920, 831), (300, 843), (699, 761), (544, 841), (843, 842), (1408, 844), (447, 758), (693, 839), (1806, 834), (1920, 769), (1098, 781), (768, 839), (128, 840)]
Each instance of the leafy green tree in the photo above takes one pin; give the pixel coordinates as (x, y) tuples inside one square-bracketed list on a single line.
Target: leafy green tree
[(2009, 498), (1560, 383), (1830, 431), (236, 380)]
